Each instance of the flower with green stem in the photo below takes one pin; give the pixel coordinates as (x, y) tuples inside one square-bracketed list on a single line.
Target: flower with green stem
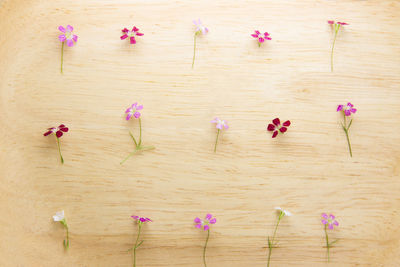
[(271, 242), (200, 29), (347, 111), (59, 217), (68, 37), (336, 26), (58, 132), (220, 125), (205, 224), (133, 112), (328, 222), (140, 221)]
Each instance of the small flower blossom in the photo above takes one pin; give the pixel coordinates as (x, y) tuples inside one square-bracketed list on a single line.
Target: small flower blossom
[(348, 109), (329, 220), (59, 216), (331, 22), (141, 219), (67, 35), (200, 27), (285, 212), (261, 37), (205, 223), (131, 34), (57, 130), (220, 124), (133, 111), (276, 126), (336, 26)]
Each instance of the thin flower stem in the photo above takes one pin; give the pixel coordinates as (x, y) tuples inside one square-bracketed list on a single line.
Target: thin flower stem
[(346, 130), (130, 155), (327, 242), (59, 150), (205, 247), (62, 56), (216, 141), (140, 132), (194, 49), (67, 242), (136, 245), (271, 244), (333, 45)]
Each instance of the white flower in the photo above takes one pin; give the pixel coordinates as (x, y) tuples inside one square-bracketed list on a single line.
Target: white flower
[(59, 216), (285, 212)]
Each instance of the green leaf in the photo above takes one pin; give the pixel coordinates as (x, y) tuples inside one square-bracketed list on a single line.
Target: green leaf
[(269, 243), (139, 244), (333, 242), (349, 124), (134, 140)]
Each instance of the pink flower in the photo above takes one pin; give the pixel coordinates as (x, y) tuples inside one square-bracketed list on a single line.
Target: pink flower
[(220, 124), (133, 111), (205, 223), (276, 126), (329, 220), (200, 27), (57, 130), (261, 37), (332, 22), (131, 34), (141, 219), (67, 35), (348, 109)]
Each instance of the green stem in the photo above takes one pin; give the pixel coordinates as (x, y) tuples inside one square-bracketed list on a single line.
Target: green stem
[(346, 130), (59, 150), (271, 245), (130, 155), (216, 141), (333, 45), (62, 56), (67, 246), (205, 247), (136, 243), (194, 49), (140, 133), (327, 242)]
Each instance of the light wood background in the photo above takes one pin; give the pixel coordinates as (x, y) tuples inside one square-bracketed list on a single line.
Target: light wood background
[(307, 171)]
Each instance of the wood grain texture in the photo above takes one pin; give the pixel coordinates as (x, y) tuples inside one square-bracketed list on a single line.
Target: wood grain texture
[(307, 171)]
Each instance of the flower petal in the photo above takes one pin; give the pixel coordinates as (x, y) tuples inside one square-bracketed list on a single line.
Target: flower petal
[(286, 123), (139, 107), (271, 127), (353, 110), (336, 223), (75, 38), (274, 134), (213, 221), (331, 22), (197, 220), (133, 40), (61, 28), (283, 129), (47, 133), (129, 116), (261, 40), (208, 216), (255, 35), (330, 226), (324, 215), (339, 108), (64, 129), (257, 32), (134, 29), (139, 34), (137, 114), (62, 38), (124, 36), (276, 121), (206, 227), (198, 226), (70, 42), (347, 112), (324, 221), (125, 30), (59, 134), (70, 28)]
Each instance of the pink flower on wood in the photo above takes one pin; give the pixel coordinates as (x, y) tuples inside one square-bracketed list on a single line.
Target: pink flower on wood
[(220, 124), (329, 220), (261, 37), (133, 111), (131, 34), (205, 223), (58, 131), (200, 27), (141, 219), (347, 109), (67, 35), (276, 127), (332, 22)]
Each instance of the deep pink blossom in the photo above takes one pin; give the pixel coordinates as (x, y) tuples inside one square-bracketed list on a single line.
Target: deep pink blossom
[(131, 34), (329, 220), (332, 22), (261, 37), (58, 131), (67, 35), (205, 223), (347, 109), (133, 111), (276, 127), (220, 124), (141, 219)]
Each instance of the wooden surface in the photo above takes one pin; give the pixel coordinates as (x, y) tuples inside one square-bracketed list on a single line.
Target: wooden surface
[(307, 171)]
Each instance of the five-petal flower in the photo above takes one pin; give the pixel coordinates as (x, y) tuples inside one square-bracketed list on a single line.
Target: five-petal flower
[(205, 223), (261, 37), (141, 219), (67, 35), (133, 111), (329, 220), (347, 109), (58, 131), (131, 34), (276, 127)]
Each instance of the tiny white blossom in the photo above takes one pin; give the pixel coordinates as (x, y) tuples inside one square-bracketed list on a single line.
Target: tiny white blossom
[(285, 212), (59, 216)]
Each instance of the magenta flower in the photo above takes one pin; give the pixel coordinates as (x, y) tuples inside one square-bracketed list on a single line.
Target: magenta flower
[(58, 132), (205, 223), (200, 28), (199, 223), (336, 26), (328, 222), (130, 112), (133, 111), (131, 34), (276, 127), (347, 111), (140, 221), (67, 37), (261, 37), (220, 125)]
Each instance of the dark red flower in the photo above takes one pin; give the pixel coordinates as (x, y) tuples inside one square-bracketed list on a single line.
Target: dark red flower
[(276, 126), (58, 131)]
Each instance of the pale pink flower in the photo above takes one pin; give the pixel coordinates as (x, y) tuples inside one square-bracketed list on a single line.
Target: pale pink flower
[(329, 220), (205, 223), (67, 35), (133, 111)]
